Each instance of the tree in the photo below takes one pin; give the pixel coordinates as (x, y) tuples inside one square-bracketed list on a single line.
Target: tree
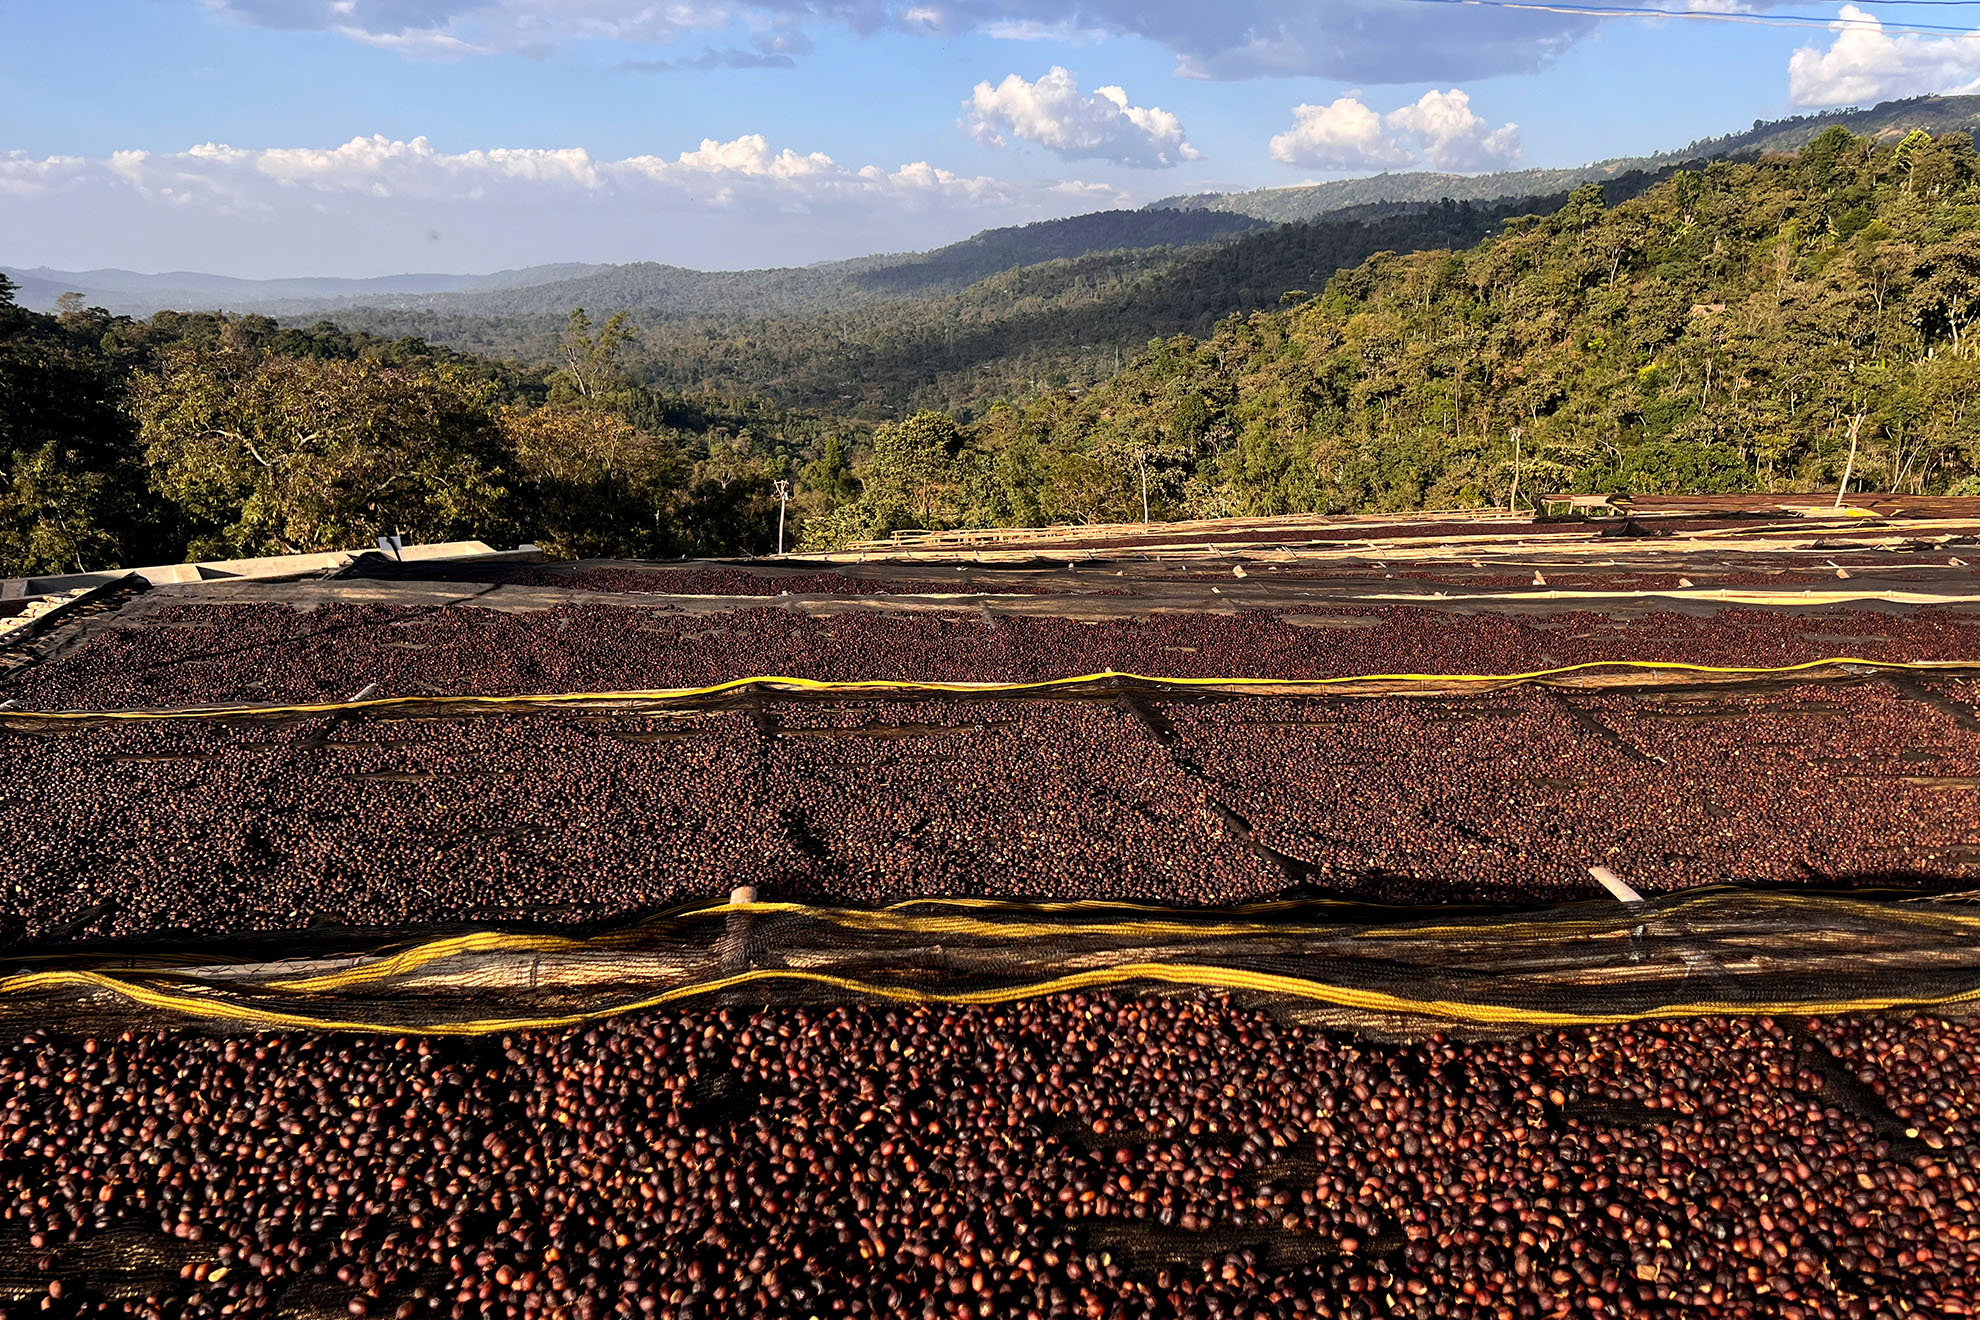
[(53, 518), (72, 488), (831, 475), (269, 455), (592, 484), (910, 462), (1946, 292), (1585, 208), (592, 361)]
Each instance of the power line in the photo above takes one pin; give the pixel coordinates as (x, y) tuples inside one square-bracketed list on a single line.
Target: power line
[(1714, 16)]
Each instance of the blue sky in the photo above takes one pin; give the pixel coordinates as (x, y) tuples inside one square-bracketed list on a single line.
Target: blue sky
[(362, 137)]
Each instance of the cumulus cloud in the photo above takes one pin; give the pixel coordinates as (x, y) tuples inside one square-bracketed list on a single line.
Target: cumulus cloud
[(1865, 63), (1440, 131), (1346, 135), (372, 205), (1369, 41), (1450, 135), (1053, 113)]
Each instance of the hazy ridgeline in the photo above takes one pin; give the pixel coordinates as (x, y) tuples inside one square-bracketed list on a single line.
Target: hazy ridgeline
[(1723, 328)]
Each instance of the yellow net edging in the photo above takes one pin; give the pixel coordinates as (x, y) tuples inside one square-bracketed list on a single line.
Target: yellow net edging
[(1178, 927), (1175, 974), (911, 686), (1714, 595), (1782, 954)]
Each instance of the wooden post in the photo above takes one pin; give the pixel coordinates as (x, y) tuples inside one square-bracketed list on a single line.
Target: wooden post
[(1855, 426), (1512, 501), (734, 946)]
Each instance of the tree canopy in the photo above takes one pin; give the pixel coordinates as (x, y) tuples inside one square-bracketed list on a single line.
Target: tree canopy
[(1758, 325), (1727, 329), (126, 442)]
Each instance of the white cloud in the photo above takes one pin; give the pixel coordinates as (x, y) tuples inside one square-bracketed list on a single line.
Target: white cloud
[(1053, 113), (370, 205), (748, 155), (1370, 41), (1346, 135), (25, 176), (1450, 135), (406, 168), (1865, 63), (1441, 131)]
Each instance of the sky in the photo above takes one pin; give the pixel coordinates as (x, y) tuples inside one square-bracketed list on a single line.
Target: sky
[(265, 138)]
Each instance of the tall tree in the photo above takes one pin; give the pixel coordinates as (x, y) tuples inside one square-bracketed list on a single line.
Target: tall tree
[(283, 455), (593, 484), (72, 490), (593, 360)]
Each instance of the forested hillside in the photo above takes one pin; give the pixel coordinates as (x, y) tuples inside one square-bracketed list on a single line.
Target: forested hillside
[(1061, 303), (1736, 328), (1750, 326), (1053, 325), (653, 291), (1893, 120), (125, 442), (136, 294), (649, 288)]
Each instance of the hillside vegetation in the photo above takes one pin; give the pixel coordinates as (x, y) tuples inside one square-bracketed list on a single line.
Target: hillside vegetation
[(135, 294), (1892, 120), (648, 287), (1065, 324), (658, 291), (992, 318), (1772, 324), (1737, 328), (189, 437)]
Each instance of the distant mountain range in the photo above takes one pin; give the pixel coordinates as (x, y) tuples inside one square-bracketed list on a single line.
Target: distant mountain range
[(646, 285), (185, 290), (1934, 114), (1068, 322), (1187, 228)]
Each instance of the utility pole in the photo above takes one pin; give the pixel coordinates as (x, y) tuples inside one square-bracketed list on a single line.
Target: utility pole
[(1512, 501), (783, 502)]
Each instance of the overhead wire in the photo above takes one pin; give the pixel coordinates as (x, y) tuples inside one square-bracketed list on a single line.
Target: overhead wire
[(1799, 21)]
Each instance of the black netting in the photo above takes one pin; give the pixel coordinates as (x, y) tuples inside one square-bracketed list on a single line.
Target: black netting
[(1720, 952)]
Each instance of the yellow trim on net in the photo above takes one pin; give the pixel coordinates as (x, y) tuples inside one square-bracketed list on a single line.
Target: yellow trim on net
[(161, 989), (1182, 975), (885, 685)]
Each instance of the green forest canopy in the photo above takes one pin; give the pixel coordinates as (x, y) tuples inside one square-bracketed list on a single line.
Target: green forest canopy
[(1724, 329), (1728, 329), (1062, 323), (1890, 119), (1058, 303), (126, 442)]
